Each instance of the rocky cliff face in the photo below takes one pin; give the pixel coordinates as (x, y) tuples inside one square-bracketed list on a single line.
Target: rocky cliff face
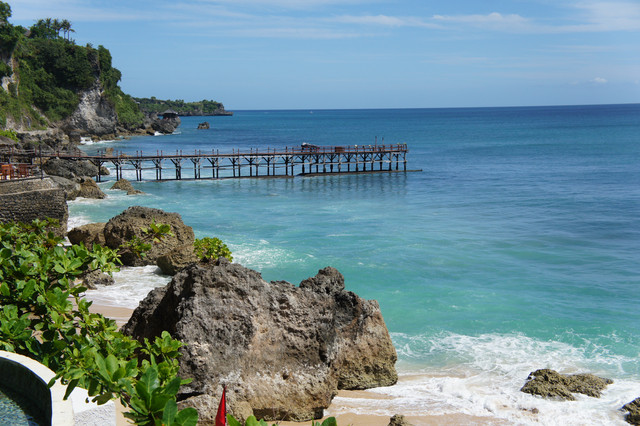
[(282, 351), (95, 116)]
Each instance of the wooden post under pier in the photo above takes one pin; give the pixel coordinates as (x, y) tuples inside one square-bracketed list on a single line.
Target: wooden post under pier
[(272, 162)]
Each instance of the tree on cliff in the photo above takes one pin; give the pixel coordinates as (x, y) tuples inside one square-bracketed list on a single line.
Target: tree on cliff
[(52, 72), (5, 13)]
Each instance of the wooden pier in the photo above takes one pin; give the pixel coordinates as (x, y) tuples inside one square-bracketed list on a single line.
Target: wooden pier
[(304, 160)]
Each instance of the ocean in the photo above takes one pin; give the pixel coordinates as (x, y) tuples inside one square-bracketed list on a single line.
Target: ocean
[(516, 247)]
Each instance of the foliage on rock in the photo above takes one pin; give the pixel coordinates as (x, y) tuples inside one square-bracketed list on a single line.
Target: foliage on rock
[(45, 317), (211, 248)]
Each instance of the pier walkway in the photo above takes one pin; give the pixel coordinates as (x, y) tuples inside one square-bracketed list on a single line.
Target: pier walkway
[(305, 160)]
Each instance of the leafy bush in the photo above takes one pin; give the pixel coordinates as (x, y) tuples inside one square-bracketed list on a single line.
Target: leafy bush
[(211, 248), (11, 134), (45, 317)]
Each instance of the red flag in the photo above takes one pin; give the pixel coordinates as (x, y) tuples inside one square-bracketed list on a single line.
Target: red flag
[(221, 417)]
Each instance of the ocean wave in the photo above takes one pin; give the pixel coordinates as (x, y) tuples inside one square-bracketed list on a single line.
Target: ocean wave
[(132, 284), (481, 376)]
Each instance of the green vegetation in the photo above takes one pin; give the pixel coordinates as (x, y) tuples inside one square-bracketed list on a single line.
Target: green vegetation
[(204, 107), (52, 70), (44, 316), (211, 248), (9, 134)]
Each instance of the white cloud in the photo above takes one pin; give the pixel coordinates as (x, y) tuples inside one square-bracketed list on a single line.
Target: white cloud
[(385, 20), (598, 80), (610, 15)]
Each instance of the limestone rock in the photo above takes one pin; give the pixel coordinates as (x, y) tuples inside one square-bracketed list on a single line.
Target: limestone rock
[(282, 350), (204, 125), (551, 384), (96, 278), (89, 234), (71, 188), (398, 420), (70, 169), (126, 225), (178, 258), (89, 189), (125, 185), (633, 415), (95, 115), (166, 125)]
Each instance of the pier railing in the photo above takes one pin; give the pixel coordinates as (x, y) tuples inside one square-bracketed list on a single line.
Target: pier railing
[(306, 159)]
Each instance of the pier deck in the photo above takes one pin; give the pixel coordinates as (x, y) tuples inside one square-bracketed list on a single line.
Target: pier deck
[(304, 160)]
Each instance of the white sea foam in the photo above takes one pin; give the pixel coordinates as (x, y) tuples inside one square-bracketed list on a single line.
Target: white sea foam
[(261, 254), (132, 284), (482, 376)]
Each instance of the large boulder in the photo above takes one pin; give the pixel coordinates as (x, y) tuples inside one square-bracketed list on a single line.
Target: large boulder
[(125, 185), (89, 189), (282, 351), (177, 259), (551, 384), (166, 125), (633, 412), (89, 234), (70, 169), (70, 187), (130, 223)]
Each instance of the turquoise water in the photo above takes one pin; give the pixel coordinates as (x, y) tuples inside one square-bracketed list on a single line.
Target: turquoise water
[(515, 248)]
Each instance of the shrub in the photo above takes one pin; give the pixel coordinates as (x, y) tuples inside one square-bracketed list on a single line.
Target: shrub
[(211, 248), (45, 317)]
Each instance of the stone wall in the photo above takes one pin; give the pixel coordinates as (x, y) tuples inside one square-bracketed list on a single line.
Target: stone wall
[(27, 199)]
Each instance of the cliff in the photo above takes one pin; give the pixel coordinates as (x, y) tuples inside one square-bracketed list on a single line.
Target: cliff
[(54, 92)]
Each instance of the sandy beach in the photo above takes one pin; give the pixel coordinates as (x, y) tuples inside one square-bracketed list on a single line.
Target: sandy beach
[(348, 407)]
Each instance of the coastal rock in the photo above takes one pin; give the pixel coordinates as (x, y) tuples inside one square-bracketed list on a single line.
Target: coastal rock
[(89, 234), (398, 420), (633, 415), (70, 169), (204, 125), (551, 384), (71, 188), (89, 189), (126, 225), (177, 259), (167, 125), (95, 115), (281, 350), (96, 278), (125, 185)]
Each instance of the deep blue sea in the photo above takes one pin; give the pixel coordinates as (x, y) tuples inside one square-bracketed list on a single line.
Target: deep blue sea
[(516, 247)]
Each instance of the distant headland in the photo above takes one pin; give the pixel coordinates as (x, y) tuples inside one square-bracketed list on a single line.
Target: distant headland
[(201, 108), (55, 93)]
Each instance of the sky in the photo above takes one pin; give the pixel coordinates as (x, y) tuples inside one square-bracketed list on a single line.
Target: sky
[(335, 54)]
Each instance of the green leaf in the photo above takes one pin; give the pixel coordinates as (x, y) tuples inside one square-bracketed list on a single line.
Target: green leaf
[(330, 421), (188, 417), (251, 421), (169, 413), (231, 421)]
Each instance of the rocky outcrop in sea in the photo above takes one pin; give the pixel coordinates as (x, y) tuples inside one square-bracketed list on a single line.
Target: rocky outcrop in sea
[(130, 223), (551, 384), (282, 351)]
